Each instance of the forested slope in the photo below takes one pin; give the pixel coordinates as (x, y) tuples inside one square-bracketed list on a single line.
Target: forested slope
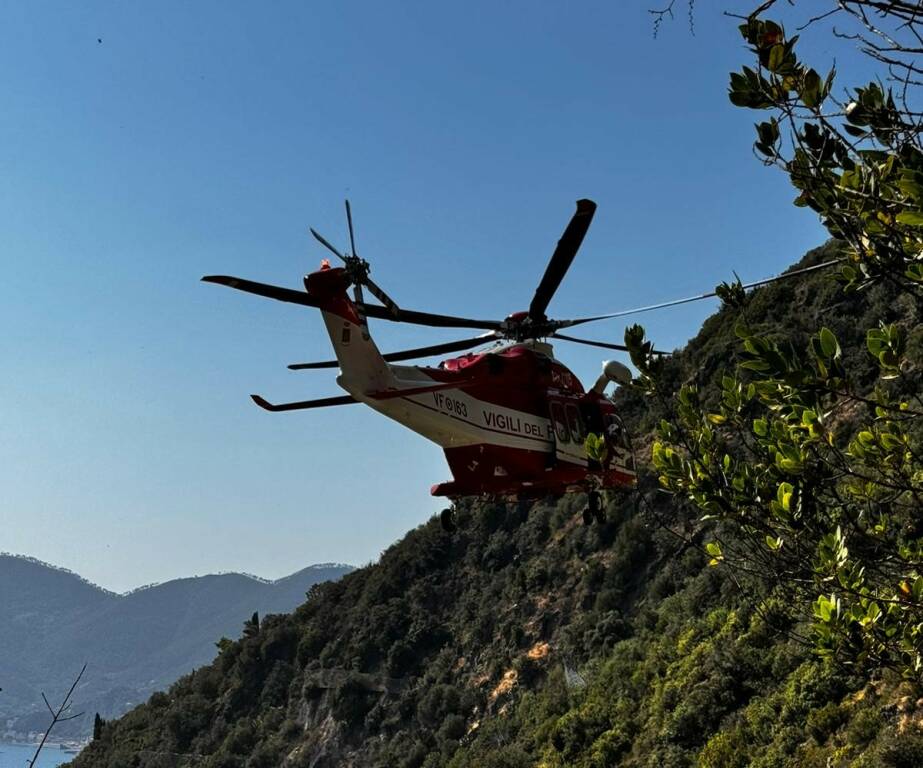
[(544, 642)]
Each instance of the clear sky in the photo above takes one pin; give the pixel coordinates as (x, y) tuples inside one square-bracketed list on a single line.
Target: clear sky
[(202, 138)]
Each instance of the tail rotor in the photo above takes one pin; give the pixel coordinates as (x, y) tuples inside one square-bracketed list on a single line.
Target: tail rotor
[(358, 268)]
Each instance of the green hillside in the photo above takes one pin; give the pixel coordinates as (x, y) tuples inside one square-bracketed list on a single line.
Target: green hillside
[(545, 642)]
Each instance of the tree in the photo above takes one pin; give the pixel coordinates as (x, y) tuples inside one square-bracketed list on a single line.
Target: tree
[(252, 626), (815, 475)]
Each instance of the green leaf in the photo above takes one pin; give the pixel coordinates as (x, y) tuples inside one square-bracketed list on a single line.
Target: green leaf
[(776, 57), (828, 343), (784, 496), (823, 608), (875, 340), (910, 218), (918, 588), (811, 89), (890, 442)]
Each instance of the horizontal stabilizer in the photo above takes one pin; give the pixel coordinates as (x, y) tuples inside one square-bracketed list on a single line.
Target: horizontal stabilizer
[(304, 404)]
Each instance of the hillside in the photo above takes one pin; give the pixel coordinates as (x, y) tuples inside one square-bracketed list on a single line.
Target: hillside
[(52, 621), (544, 642)]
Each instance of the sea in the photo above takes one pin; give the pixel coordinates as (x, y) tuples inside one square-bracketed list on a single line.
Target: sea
[(19, 755)]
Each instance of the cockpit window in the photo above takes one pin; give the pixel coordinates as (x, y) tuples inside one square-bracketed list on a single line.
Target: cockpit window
[(560, 424), (575, 423)]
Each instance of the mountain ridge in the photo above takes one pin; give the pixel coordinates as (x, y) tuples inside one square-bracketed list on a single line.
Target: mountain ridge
[(52, 619), (30, 559)]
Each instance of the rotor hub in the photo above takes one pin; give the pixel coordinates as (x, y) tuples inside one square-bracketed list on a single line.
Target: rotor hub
[(522, 326), (357, 268)]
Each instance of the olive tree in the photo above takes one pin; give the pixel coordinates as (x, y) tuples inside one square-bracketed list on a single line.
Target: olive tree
[(815, 475)]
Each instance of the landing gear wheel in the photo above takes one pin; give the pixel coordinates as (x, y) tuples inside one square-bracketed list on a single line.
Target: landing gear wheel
[(447, 518)]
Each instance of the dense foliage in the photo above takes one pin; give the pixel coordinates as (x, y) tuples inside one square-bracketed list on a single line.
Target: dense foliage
[(811, 457)]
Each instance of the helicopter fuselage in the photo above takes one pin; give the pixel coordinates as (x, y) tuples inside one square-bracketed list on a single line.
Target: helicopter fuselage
[(512, 421)]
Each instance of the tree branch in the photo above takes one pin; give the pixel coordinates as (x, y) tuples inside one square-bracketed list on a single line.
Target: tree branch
[(58, 715)]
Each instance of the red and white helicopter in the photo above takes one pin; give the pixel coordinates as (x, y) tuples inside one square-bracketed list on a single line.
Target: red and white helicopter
[(512, 420)]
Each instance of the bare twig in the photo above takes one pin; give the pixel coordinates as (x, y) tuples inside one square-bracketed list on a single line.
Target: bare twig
[(660, 14), (58, 715)]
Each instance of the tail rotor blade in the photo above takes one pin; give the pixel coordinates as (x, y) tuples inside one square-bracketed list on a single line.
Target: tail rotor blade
[(360, 304), (383, 297), (349, 221), (323, 241)]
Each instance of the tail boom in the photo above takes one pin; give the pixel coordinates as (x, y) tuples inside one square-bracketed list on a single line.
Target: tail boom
[(363, 370)]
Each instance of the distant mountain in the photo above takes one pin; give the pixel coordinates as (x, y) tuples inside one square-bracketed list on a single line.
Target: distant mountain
[(52, 621)]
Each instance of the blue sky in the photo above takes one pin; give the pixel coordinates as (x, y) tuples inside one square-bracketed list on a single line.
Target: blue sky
[(205, 138)]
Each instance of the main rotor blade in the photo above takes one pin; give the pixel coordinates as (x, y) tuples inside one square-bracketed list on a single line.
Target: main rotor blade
[(588, 342), (603, 344), (263, 289), (698, 297), (430, 319), (322, 240), (408, 354), (370, 310), (561, 259), (321, 403)]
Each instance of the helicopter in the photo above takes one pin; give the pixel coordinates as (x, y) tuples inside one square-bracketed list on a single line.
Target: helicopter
[(512, 420)]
